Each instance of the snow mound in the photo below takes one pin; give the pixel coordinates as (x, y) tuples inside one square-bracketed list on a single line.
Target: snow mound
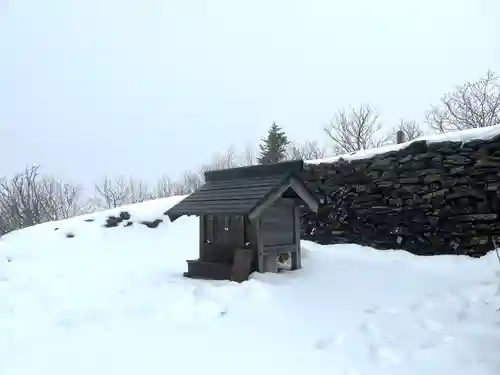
[(113, 300)]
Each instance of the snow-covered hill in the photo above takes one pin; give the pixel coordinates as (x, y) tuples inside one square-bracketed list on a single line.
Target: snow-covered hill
[(85, 299)]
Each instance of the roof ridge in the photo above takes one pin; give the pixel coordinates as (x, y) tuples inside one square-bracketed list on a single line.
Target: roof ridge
[(254, 171)]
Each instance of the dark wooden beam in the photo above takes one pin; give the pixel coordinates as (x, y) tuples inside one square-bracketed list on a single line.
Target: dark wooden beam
[(293, 183), (256, 171), (269, 200), (297, 254), (304, 194)]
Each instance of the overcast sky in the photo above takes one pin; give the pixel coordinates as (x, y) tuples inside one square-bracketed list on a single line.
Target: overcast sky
[(146, 87)]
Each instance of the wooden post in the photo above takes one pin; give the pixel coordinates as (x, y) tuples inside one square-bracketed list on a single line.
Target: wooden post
[(202, 235), (260, 246), (297, 254), (271, 262), (400, 137)]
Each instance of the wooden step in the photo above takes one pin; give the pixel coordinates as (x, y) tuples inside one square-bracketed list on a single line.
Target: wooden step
[(201, 269)]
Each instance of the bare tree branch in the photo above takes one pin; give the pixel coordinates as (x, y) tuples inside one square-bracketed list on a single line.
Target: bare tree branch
[(309, 150), (355, 130), (165, 187), (227, 159), (249, 156), (191, 181), (29, 199), (111, 194), (63, 200), (472, 105)]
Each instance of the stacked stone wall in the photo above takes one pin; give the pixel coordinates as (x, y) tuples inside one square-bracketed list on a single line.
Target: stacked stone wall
[(427, 198)]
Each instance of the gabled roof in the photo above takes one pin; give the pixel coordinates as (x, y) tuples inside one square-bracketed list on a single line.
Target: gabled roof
[(245, 191)]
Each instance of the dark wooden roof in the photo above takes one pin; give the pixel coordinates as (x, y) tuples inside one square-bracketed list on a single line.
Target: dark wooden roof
[(263, 170), (242, 190)]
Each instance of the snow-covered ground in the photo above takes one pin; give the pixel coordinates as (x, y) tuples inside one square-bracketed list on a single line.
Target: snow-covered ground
[(113, 301)]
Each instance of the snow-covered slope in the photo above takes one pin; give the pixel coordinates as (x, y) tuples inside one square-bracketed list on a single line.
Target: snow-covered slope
[(113, 301)]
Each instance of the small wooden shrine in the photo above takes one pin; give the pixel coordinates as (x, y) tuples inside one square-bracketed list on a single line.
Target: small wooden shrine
[(249, 218)]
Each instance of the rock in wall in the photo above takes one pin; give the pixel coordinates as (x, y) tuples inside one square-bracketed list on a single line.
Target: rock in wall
[(426, 198)]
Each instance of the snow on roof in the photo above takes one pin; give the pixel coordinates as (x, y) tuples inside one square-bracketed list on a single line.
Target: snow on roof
[(457, 136)]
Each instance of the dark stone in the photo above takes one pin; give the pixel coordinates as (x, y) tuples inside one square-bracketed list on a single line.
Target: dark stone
[(113, 221), (476, 217), (458, 170), (488, 162), (380, 162), (456, 160), (124, 215), (406, 158), (417, 147), (70, 235), (436, 193), (152, 224), (433, 178)]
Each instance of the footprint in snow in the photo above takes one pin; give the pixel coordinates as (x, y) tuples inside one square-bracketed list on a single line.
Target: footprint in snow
[(415, 307), (327, 341), (323, 343), (433, 342), (351, 372), (368, 328), (462, 303), (429, 343), (463, 315), (391, 310), (431, 325), (377, 353), (383, 355), (486, 283)]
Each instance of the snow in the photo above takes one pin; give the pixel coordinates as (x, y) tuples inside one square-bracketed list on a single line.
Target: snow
[(113, 301), (457, 136)]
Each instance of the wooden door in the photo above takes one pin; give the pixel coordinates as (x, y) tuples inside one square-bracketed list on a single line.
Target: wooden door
[(230, 231)]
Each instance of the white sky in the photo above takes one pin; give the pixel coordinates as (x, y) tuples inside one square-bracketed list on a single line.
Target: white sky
[(147, 87)]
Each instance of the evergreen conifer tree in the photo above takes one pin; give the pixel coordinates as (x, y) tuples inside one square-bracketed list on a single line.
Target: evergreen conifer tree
[(274, 146)]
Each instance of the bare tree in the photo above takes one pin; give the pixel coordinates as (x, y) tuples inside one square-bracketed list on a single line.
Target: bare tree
[(190, 182), (472, 105), (248, 156), (111, 194), (20, 200), (165, 187), (29, 198), (355, 130), (63, 200), (309, 150), (139, 191), (227, 159)]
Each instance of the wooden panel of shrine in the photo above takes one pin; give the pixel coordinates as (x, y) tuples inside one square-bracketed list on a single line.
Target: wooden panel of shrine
[(249, 220)]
